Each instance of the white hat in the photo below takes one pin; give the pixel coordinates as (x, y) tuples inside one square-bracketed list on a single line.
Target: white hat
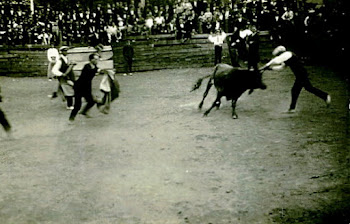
[(52, 52), (278, 50)]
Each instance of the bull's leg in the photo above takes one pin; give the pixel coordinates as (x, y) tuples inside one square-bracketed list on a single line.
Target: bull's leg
[(234, 115), (205, 93), (215, 103)]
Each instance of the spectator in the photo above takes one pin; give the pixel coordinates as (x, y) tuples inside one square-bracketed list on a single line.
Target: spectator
[(149, 23), (112, 33), (218, 40), (128, 54), (207, 21), (159, 23), (232, 42)]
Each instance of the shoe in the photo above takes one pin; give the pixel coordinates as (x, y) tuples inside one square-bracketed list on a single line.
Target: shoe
[(54, 95), (291, 111), (124, 74), (130, 74), (328, 100), (70, 108)]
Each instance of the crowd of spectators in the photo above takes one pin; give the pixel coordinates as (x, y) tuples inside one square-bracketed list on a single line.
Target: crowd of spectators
[(285, 19)]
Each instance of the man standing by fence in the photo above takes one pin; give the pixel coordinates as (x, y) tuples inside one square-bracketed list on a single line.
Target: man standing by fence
[(128, 53), (218, 40)]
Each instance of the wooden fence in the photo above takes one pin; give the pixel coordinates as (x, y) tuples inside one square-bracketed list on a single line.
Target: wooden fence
[(153, 53)]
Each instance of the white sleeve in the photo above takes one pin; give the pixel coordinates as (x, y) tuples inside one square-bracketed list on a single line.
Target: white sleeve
[(224, 35), (210, 38), (280, 59), (278, 67), (56, 67)]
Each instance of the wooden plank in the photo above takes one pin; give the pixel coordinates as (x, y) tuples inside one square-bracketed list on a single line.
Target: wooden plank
[(8, 56), (88, 49), (78, 57), (165, 43), (77, 73), (171, 49), (161, 57), (109, 64), (81, 54)]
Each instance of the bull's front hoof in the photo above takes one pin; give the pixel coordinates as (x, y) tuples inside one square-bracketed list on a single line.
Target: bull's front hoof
[(200, 106), (205, 114), (234, 116)]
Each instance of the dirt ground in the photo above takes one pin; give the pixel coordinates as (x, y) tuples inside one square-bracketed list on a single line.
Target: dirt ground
[(156, 159)]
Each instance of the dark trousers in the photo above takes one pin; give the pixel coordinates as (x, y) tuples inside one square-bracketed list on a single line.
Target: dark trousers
[(77, 105), (128, 64), (299, 84), (218, 52), (234, 57), (4, 122), (69, 101)]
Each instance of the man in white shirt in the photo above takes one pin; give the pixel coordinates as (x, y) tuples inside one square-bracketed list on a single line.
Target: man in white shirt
[(218, 40), (63, 70)]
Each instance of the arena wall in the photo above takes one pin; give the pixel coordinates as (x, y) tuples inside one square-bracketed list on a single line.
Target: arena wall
[(154, 53)]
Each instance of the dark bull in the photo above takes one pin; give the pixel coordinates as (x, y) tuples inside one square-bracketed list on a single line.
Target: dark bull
[(232, 83)]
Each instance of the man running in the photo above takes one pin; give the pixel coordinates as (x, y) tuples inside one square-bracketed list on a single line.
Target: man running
[(4, 122), (287, 58), (83, 87)]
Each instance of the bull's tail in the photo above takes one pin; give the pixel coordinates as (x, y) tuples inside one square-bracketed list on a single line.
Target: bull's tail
[(199, 83)]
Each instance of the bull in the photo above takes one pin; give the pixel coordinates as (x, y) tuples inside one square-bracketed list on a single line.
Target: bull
[(230, 82)]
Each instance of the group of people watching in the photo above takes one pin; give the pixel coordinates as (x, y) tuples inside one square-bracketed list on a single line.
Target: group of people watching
[(111, 22)]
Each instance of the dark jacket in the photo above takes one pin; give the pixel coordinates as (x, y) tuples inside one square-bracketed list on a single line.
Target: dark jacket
[(128, 51), (297, 67), (84, 82)]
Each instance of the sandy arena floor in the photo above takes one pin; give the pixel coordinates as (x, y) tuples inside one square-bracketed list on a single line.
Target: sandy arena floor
[(155, 159)]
